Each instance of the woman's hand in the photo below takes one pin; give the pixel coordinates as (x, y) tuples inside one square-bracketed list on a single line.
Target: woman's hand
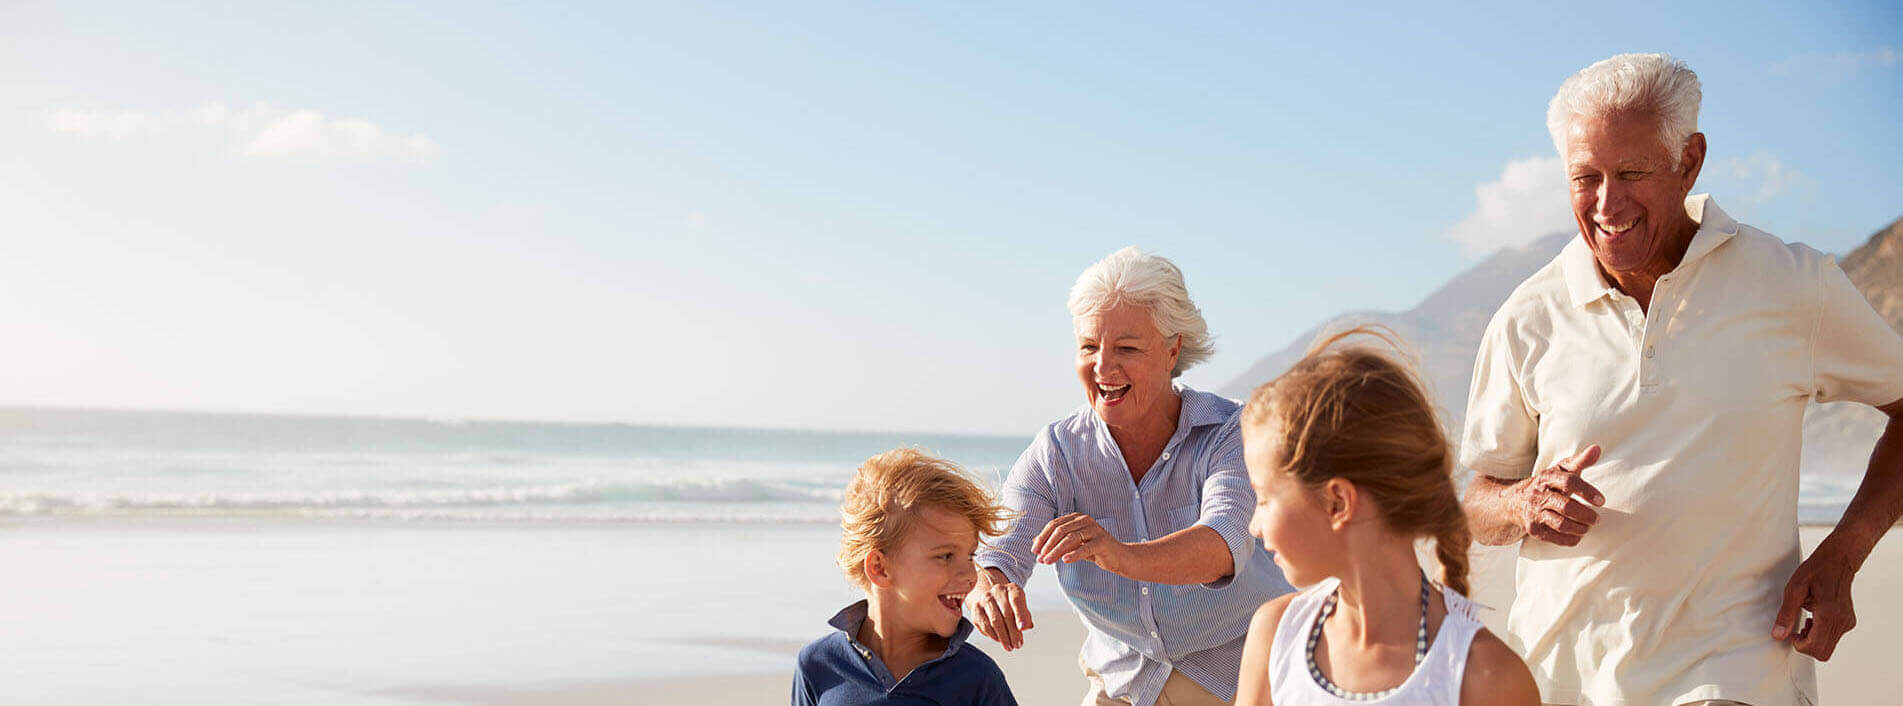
[(998, 610), (1078, 537)]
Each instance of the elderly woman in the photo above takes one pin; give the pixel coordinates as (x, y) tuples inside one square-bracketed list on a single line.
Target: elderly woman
[(1141, 499)]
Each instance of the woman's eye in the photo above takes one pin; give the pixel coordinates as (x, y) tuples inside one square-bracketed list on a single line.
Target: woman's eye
[(1127, 349)]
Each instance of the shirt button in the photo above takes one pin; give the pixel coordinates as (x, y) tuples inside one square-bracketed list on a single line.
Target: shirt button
[(1146, 590), (1651, 351), (1152, 633), (1166, 455)]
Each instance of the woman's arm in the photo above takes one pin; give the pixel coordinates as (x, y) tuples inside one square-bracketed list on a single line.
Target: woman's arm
[(998, 607), (1192, 555), (1252, 686)]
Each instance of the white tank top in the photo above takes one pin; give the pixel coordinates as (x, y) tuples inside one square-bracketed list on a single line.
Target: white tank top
[(1434, 682)]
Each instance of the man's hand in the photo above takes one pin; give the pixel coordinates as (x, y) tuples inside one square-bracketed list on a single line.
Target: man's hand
[(1821, 585), (998, 610), (1547, 504), (1078, 537)]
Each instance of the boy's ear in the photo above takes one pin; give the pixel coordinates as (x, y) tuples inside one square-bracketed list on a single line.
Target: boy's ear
[(1340, 498), (877, 572)]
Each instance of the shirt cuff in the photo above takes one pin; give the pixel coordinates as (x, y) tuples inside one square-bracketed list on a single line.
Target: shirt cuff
[(1014, 571), (1241, 547), (1499, 466)]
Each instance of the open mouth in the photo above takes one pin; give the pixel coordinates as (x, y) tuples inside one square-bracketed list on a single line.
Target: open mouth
[(1616, 230), (1112, 394), (954, 602)]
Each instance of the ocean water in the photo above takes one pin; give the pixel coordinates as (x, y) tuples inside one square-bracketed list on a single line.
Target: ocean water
[(119, 464), (158, 557)]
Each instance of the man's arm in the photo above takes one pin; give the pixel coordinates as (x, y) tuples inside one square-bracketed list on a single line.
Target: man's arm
[(1545, 506), (1822, 582)]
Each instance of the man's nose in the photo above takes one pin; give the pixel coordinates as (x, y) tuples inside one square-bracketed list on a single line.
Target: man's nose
[(1614, 197)]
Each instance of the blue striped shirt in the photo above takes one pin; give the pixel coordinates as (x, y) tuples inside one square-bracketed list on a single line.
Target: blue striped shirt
[(1139, 631)]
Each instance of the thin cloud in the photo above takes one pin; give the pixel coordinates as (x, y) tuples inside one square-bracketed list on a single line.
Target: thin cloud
[(1767, 172), (1527, 201), (262, 131), (110, 124), (1837, 65)]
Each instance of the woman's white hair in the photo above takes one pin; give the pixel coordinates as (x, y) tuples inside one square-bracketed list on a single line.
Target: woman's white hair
[(1153, 282), (1647, 83)]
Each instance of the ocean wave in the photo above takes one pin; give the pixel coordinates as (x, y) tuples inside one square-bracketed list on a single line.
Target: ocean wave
[(711, 491)]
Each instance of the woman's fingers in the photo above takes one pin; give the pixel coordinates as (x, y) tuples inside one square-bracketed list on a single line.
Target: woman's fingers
[(1067, 535), (1044, 535)]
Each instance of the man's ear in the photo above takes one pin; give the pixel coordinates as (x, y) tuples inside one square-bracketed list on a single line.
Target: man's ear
[(1341, 499), (878, 573), (1691, 160)]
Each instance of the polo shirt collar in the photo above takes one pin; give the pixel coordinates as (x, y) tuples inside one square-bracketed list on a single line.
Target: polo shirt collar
[(1581, 272), (849, 618)]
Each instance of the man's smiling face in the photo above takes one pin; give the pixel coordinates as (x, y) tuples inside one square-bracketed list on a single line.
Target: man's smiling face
[(1628, 191)]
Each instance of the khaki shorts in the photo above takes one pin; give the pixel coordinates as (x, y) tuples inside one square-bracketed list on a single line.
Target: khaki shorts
[(1178, 691)]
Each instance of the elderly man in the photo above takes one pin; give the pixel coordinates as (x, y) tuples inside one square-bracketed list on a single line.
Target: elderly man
[(1635, 421)]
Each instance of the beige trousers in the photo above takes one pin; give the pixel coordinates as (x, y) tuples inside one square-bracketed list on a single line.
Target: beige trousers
[(1179, 690)]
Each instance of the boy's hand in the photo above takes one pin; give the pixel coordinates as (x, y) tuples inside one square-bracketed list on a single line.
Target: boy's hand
[(1078, 537), (998, 610)]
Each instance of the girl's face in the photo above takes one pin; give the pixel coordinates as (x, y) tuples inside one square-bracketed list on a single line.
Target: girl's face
[(1290, 518)]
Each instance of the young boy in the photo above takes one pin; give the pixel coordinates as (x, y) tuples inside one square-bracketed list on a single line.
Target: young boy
[(911, 524)]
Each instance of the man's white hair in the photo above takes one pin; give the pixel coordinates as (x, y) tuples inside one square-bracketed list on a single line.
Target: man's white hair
[(1155, 283), (1647, 83)]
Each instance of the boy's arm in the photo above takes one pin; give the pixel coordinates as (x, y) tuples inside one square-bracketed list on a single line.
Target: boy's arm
[(802, 691), (996, 692)]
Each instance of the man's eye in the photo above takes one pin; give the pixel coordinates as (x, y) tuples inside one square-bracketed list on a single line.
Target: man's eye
[(1127, 349), (1632, 175), (1088, 347)]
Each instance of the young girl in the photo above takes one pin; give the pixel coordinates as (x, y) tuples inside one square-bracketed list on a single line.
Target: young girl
[(1350, 466)]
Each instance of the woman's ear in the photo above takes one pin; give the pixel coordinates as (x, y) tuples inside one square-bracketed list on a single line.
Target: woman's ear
[(1340, 498), (878, 573)]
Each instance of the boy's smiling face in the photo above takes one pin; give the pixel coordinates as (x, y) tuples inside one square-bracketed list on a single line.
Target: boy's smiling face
[(930, 572)]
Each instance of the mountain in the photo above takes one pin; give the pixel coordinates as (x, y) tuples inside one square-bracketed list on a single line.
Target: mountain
[(1445, 331)]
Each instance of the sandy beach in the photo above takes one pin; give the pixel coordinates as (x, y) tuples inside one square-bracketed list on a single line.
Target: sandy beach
[(1045, 671)]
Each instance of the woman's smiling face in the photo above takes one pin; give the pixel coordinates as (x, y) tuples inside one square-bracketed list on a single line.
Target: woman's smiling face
[(1124, 363)]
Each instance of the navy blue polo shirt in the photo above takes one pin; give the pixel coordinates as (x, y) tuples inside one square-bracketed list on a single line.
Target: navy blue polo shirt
[(836, 670)]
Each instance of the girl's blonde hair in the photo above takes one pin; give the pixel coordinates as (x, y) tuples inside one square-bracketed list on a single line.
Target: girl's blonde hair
[(883, 500), (1353, 412)]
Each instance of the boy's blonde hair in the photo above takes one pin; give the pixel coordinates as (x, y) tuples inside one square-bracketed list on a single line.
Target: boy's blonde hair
[(884, 496)]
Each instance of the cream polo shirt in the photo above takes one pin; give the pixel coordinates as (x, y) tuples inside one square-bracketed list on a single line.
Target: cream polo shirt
[(1698, 406)]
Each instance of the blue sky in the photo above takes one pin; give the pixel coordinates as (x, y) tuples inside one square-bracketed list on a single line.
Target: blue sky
[(811, 215)]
